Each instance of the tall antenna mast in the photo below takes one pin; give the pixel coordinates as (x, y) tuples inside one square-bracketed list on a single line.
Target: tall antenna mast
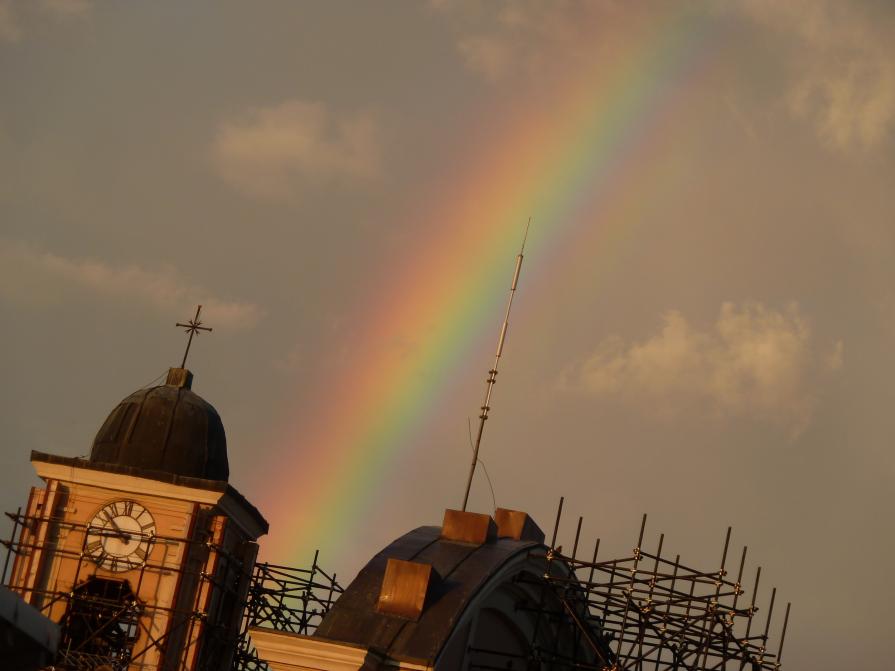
[(492, 374)]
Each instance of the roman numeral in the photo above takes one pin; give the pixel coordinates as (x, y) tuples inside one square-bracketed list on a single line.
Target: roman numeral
[(141, 553), (93, 546), (128, 508)]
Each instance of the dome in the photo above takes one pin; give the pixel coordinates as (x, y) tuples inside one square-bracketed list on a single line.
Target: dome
[(167, 428)]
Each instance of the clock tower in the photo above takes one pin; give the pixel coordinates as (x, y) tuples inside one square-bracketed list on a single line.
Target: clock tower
[(143, 551)]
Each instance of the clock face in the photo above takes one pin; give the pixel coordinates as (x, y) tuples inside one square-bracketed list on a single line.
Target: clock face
[(120, 536)]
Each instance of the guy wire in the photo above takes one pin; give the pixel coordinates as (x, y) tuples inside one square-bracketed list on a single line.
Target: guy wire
[(484, 468)]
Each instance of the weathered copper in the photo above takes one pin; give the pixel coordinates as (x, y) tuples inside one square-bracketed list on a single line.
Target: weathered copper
[(168, 428), (517, 525), (463, 571), (404, 588), (180, 377), (465, 527)]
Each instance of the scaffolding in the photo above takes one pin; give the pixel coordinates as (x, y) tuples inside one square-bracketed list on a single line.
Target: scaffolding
[(286, 599), (649, 611), (642, 611), (105, 623)]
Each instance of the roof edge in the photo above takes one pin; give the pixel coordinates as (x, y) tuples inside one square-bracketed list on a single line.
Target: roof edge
[(149, 474), (220, 486)]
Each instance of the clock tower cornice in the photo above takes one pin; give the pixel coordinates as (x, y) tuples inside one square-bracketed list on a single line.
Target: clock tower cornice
[(128, 479)]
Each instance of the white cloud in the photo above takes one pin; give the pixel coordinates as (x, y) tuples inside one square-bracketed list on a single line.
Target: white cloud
[(753, 362), (30, 276), (273, 151), (842, 63)]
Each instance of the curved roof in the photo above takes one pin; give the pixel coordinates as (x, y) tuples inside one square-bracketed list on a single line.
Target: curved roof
[(464, 571), (168, 428)]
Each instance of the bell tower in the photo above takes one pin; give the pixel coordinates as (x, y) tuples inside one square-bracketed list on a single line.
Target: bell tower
[(143, 551)]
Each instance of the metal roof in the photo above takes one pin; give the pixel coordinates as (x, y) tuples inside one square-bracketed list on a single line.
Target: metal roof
[(464, 569), (167, 428)]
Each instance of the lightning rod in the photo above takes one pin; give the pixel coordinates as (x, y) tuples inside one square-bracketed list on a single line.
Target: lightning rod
[(492, 374)]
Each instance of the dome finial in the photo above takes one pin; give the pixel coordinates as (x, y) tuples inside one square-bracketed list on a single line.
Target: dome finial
[(180, 377), (193, 327)]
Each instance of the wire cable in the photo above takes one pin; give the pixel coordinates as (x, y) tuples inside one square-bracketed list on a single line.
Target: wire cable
[(153, 381), (484, 468)]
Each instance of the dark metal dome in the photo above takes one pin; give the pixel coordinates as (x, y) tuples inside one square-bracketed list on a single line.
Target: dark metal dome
[(168, 428)]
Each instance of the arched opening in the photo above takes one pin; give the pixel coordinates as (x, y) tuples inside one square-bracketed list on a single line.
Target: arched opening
[(100, 625), (497, 640)]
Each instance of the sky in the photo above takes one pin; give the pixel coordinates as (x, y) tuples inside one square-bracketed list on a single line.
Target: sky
[(703, 325)]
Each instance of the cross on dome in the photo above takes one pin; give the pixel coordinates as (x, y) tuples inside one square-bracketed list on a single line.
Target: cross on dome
[(193, 327)]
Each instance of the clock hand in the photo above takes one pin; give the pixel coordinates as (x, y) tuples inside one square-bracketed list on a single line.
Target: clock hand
[(126, 537)]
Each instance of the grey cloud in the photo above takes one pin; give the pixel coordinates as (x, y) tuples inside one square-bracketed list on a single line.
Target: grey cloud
[(271, 152), (32, 277), (65, 8), (14, 16), (842, 67), (10, 30), (839, 60), (499, 39)]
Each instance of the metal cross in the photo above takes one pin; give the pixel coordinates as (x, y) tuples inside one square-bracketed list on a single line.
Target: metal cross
[(193, 326)]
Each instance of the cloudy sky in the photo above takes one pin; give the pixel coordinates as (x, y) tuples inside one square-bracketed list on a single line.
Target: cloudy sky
[(704, 324)]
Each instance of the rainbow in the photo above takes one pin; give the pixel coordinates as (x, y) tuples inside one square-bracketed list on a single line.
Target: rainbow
[(579, 166)]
